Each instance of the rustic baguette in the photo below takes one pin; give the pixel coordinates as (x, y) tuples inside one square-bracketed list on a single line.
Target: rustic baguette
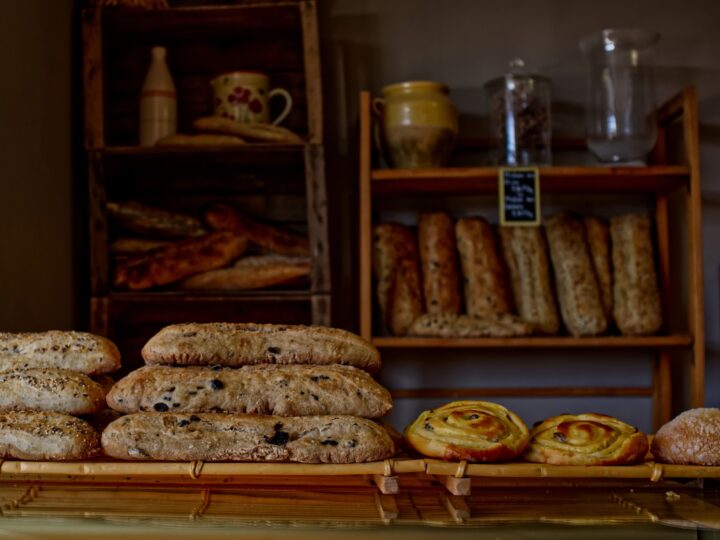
[(636, 298), (46, 436), (258, 272), (139, 218), (438, 255), (446, 325), (486, 289), (598, 238), (395, 264), (525, 252), (239, 344), (76, 351), (578, 292), (236, 437), (135, 246), (264, 389)]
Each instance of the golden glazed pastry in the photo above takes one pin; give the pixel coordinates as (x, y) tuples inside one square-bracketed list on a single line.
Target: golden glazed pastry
[(691, 438), (586, 439), (468, 430)]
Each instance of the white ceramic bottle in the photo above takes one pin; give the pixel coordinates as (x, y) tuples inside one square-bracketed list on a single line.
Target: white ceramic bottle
[(158, 101)]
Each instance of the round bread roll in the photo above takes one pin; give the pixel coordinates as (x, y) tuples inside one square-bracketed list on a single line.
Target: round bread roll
[(691, 438), (586, 439), (468, 430)]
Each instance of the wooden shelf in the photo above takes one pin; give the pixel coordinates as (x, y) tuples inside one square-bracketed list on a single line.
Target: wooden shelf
[(484, 180), (673, 341), (213, 296)]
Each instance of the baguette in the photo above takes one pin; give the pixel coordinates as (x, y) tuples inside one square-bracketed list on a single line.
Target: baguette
[(395, 264), (248, 273), (239, 344), (135, 246), (76, 351), (598, 237), (446, 325), (236, 437), (525, 252), (180, 260), (578, 292), (486, 289), (139, 218), (438, 255), (636, 297), (46, 436), (263, 389)]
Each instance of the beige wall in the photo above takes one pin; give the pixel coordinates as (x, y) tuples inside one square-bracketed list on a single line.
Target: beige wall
[(35, 169)]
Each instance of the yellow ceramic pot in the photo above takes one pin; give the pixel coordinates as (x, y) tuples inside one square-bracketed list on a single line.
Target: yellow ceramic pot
[(418, 124)]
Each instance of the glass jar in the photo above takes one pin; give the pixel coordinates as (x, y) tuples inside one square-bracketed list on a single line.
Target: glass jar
[(519, 109), (620, 114)]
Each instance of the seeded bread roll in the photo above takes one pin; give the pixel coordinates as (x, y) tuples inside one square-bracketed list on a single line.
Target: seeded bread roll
[(486, 289), (438, 254), (636, 298), (465, 326), (237, 437), (240, 344), (598, 237), (264, 389), (395, 264), (46, 436), (691, 438), (50, 389), (525, 252), (76, 351), (577, 287)]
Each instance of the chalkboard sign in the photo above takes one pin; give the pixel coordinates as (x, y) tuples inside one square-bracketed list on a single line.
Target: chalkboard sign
[(519, 196)]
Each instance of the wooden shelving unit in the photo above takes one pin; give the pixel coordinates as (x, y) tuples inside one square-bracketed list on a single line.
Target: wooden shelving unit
[(278, 184), (673, 175)]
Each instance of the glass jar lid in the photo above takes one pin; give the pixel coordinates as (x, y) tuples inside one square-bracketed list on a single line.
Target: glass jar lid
[(516, 72)]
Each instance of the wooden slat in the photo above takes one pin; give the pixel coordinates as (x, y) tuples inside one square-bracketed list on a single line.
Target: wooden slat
[(313, 79), (93, 77), (427, 393), (317, 218), (365, 256), (662, 378), (97, 226)]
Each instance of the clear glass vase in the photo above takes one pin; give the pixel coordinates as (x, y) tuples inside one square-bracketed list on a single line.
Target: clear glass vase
[(620, 115)]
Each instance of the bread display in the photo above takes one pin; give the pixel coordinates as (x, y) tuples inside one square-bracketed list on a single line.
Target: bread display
[(468, 430), (438, 255), (266, 133), (636, 298), (143, 219), (228, 437), (586, 439), (301, 390), (465, 326), (691, 438), (50, 389), (598, 239), (238, 344), (46, 436), (180, 260), (525, 252), (76, 351), (577, 287), (255, 272), (396, 268), (486, 288)]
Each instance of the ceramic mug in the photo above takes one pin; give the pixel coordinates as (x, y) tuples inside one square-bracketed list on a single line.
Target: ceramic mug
[(244, 96)]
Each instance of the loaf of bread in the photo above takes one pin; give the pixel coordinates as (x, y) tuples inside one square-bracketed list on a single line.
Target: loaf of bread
[(263, 389), (180, 260), (224, 218), (257, 272), (466, 326), (136, 246), (239, 344), (598, 239), (265, 133), (691, 438), (438, 254), (636, 298), (525, 252), (139, 218), (576, 283), (486, 289), (50, 389), (237, 437), (396, 268), (46, 436), (76, 351)]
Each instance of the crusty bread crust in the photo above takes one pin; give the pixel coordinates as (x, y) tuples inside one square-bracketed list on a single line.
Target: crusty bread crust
[(239, 344), (258, 272), (691, 438), (466, 326), (236, 437), (264, 389), (586, 439), (156, 222), (598, 238), (438, 255), (76, 351)]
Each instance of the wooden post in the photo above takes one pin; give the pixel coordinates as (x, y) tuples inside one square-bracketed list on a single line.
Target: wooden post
[(662, 378), (313, 80), (317, 219), (93, 78), (365, 218)]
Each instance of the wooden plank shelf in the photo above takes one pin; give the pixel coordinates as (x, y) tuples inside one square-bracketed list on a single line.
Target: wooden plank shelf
[(264, 295), (673, 341), (484, 180)]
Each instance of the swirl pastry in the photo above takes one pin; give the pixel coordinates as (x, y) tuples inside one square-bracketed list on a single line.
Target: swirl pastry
[(468, 430), (586, 439)]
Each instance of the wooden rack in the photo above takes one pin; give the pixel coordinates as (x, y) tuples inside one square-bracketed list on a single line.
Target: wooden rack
[(671, 181)]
